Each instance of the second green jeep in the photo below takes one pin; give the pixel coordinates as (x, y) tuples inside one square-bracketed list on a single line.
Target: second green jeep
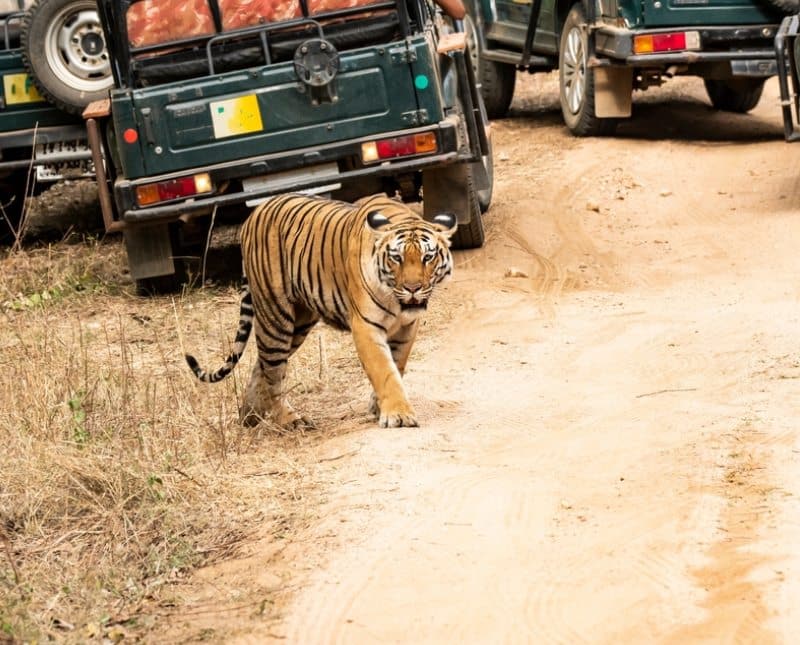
[(605, 50)]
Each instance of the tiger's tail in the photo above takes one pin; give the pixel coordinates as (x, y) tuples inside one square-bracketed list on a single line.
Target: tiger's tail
[(242, 335)]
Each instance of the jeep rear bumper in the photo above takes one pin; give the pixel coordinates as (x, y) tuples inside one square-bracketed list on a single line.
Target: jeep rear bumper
[(232, 173), (749, 48)]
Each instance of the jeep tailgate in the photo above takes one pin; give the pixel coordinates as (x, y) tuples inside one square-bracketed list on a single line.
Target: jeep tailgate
[(265, 110)]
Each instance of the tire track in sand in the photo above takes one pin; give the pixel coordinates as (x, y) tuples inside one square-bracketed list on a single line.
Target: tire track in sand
[(736, 596), (500, 515), (471, 510)]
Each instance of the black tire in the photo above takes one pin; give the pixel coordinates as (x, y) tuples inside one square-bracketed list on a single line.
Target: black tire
[(470, 235), (496, 80), (736, 94), (576, 80), (64, 50)]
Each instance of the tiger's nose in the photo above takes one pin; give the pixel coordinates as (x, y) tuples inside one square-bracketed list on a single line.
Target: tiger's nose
[(412, 287)]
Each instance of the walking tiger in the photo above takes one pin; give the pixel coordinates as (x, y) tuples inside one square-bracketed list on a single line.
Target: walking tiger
[(368, 267)]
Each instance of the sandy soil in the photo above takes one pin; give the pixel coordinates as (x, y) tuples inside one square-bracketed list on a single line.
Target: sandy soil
[(609, 450)]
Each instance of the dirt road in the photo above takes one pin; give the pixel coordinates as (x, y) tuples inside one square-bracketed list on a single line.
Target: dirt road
[(609, 393)]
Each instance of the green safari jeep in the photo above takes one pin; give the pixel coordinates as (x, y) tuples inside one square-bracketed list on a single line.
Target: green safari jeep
[(219, 104), (52, 64), (604, 50)]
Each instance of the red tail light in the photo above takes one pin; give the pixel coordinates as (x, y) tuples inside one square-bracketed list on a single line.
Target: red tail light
[(411, 144), (173, 189), (669, 42)]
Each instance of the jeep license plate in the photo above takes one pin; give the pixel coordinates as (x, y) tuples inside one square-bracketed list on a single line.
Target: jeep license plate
[(236, 116), (63, 160), (18, 88)]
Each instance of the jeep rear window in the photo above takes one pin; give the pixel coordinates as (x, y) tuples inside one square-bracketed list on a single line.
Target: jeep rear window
[(153, 22)]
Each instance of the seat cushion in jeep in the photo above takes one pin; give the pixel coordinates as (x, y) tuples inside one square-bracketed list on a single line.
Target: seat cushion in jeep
[(152, 22), (192, 62)]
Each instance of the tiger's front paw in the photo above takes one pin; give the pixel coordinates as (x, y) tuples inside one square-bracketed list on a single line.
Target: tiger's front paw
[(394, 413), (405, 419)]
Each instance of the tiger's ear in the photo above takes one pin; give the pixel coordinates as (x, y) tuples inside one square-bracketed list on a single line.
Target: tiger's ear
[(445, 222), (377, 221)]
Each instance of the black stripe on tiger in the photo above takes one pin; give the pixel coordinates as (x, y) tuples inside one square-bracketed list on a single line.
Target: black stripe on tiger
[(239, 343)]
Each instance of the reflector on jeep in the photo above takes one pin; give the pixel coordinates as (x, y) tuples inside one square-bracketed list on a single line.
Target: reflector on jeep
[(669, 42), (163, 191), (411, 144)]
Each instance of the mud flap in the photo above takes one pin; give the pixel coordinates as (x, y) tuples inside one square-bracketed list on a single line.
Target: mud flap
[(443, 191), (149, 251), (613, 92)]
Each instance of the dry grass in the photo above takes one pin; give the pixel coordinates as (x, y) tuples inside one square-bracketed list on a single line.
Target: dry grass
[(119, 471)]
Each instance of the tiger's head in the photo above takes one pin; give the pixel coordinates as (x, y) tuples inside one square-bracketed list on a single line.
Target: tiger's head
[(412, 255)]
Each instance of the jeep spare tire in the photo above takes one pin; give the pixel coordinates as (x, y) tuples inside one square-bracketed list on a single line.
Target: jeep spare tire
[(65, 53)]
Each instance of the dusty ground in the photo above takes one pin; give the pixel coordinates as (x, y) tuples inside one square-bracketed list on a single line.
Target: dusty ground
[(609, 448)]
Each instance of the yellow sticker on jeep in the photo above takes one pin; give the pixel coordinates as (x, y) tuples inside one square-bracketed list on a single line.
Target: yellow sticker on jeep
[(18, 88), (236, 116)]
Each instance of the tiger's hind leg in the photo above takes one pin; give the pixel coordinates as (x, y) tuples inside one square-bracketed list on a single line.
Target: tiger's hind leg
[(265, 396)]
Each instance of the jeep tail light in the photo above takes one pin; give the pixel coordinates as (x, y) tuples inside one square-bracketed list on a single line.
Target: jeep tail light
[(163, 191), (405, 146), (669, 42)]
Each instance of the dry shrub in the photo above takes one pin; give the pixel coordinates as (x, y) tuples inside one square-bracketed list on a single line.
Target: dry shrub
[(119, 470)]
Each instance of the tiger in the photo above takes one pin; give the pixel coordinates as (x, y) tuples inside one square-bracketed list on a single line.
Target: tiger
[(367, 267)]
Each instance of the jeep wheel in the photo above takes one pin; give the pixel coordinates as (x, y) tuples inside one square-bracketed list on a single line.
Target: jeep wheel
[(576, 80), (496, 80), (470, 235), (735, 95), (64, 50)]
